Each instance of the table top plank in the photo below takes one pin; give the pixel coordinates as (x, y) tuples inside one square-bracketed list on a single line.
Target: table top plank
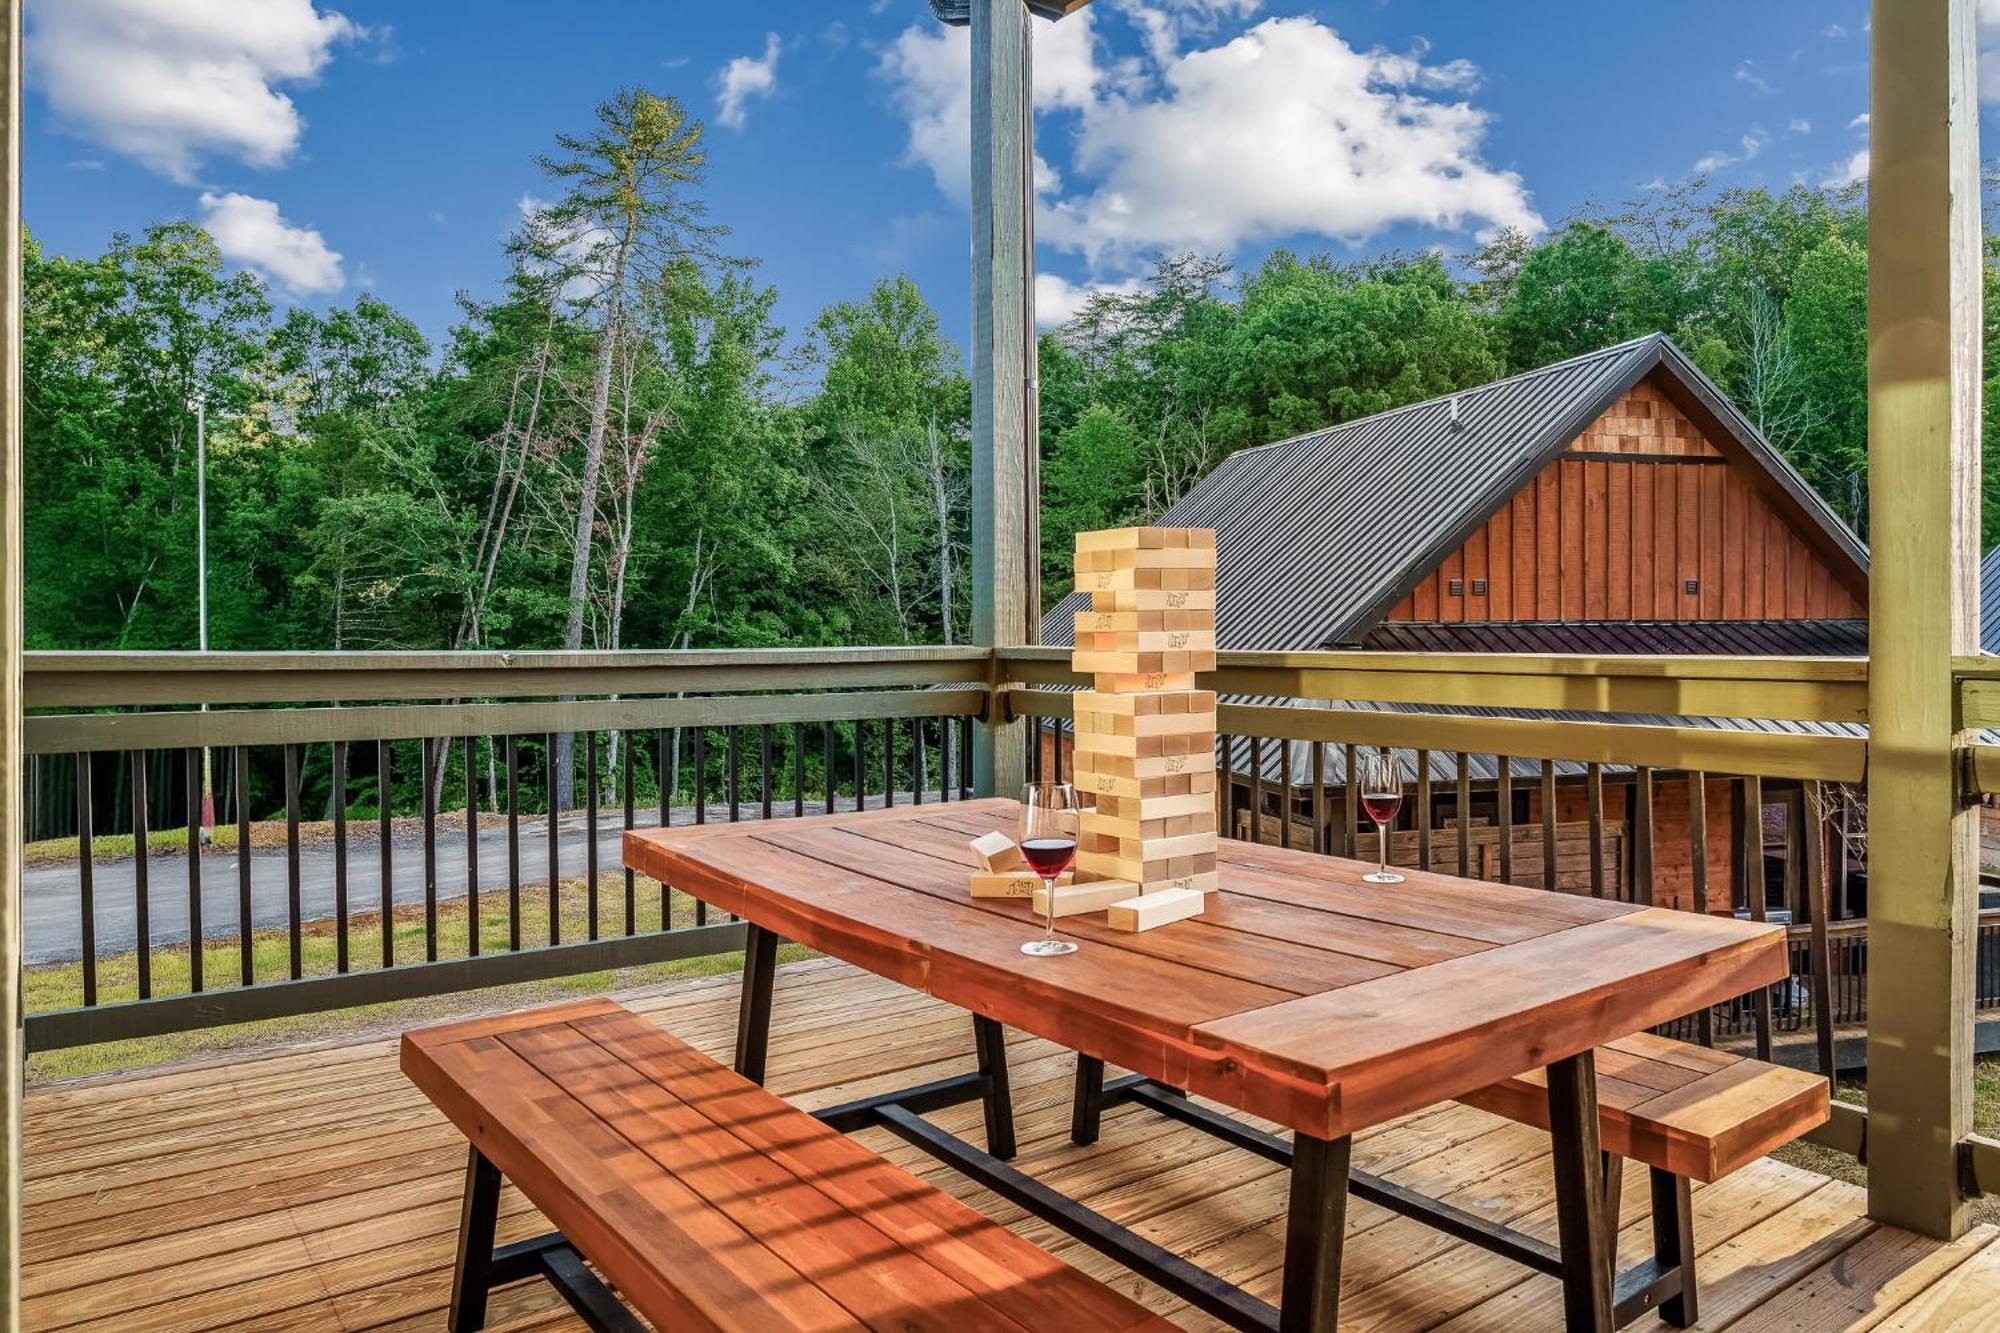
[(1304, 994)]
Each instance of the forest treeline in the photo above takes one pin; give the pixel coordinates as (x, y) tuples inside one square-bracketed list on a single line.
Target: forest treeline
[(621, 448)]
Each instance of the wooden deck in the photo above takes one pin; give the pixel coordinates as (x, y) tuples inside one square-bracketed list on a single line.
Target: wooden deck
[(316, 1189)]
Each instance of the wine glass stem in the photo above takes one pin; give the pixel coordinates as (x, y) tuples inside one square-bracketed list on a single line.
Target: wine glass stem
[(1382, 847), (1049, 928)]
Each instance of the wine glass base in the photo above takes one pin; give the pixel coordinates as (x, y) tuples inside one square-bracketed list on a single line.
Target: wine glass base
[(1048, 948), (1383, 877)]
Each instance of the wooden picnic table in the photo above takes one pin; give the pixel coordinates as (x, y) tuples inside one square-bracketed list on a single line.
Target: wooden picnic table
[(1304, 995)]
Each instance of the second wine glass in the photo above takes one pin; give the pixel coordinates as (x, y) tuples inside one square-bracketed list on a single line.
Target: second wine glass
[(1379, 776), (1048, 841)]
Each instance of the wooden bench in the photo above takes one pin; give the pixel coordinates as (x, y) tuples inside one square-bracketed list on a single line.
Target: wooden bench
[(708, 1203)]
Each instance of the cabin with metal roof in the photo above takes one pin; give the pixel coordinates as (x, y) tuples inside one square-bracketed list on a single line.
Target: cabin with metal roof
[(1615, 503)]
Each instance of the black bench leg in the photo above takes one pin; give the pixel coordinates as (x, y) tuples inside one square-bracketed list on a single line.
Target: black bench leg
[(1580, 1196), (1315, 1225), (1673, 1243), (472, 1277), (1087, 1111), (1614, 1205), (753, 1019), (989, 1040)]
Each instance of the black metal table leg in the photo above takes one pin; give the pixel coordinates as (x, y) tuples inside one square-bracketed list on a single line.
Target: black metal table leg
[(1673, 1243), (1087, 1111), (753, 1019), (473, 1275), (1580, 1196), (989, 1040), (1315, 1225)]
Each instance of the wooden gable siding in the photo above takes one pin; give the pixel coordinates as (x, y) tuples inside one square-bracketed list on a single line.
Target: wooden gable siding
[(1614, 529)]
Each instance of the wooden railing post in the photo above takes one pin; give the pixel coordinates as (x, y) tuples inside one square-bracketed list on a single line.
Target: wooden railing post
[(1924, 289), (11, 1044), (1005, 610)]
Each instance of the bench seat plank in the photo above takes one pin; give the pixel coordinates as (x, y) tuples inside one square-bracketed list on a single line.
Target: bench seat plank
[(1687, 1109), (709, 1203)]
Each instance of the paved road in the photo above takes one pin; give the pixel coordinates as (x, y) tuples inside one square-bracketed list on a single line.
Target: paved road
[(53, 924)]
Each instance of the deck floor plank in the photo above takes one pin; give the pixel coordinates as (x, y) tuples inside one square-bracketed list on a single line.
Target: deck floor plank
[(313, 1188)]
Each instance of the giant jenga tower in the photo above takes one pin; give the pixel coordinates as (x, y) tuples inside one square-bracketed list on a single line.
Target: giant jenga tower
[(1145, 737)]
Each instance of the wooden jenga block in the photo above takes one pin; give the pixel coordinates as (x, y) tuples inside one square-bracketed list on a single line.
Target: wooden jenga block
[(1143, 622), (1113, 682), (1075, 899), (1147, 641), (1201, 742), (1198, 778), (1149, 599), (1149, 538), (1148, 703), (1143, 664), (1103, 762), (1158, 557), (1196, 820), (1137, 579), (1011, 883), (1204, 882), (1151, 910), (1155, 806), (997, 852), (1144, 868)]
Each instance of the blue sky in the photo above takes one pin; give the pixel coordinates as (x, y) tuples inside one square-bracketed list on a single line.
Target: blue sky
[(384, 146)]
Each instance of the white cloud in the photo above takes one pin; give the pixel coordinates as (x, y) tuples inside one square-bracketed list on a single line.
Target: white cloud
[(1749, 147), (1164, 24), (1860, 122), (1800, 125), (170, 83), (1833, 30), (1849, 172), (1750, 78), (1058, 300), (1286, 129), (252, 232), (929, 71), (744, 78)]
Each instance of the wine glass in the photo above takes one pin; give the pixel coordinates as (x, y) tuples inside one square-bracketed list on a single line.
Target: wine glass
[(1380, 779), (1048, 841)]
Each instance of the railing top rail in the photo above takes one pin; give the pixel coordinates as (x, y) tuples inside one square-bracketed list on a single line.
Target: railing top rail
[(1834, 670), (482, 659)]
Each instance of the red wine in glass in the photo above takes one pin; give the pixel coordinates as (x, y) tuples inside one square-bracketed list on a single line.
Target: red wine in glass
[(1049, 827), (1049, 857), (1380, 778)]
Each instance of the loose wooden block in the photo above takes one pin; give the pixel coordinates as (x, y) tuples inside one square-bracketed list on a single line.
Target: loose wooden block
[(996, 852), (1150, 599), (1149, 911), (1011, 883), (1076, 899)]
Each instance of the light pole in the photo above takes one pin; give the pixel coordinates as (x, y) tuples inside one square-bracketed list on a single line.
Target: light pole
[(201, 597)]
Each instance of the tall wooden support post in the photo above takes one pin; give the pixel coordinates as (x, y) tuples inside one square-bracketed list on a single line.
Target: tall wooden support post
[(11, 1047), (1923, 443), (1005, 605)]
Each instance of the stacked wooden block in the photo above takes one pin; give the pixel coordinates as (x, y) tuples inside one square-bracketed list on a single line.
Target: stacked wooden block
[(1145, 737)]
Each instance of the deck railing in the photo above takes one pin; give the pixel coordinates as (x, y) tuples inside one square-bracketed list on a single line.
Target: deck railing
[(1511, 749)]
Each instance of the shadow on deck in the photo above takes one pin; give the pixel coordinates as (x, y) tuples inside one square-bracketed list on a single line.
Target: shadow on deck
[(316, 1189)]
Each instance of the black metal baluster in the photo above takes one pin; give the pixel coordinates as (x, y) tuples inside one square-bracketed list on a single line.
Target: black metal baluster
[(195, 960), (340, 856), (663, 758), (513, 844), (1322, 839), (1464, 776), (1350, 808), (1256, 789), (827, 766), (1642, 837), (631, 813), (294, 908), (1285, 794), (246, 946), (700, 765), (591, 797), (385, 830), (965, 759), (916, 761), (1593, 782), (1813, 833), (86, 880), (471, 752), (430, 851), (555, 846), (1753, 884), (945, 725), (798, 770), (1034, 756), (1423, 809), (142, 913), (860, 764), (733, 774), (1505, 766), (1550, 879), (888, 762), (764, 770)]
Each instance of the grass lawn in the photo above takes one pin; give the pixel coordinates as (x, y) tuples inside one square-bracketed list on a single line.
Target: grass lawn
[(60, 986)]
